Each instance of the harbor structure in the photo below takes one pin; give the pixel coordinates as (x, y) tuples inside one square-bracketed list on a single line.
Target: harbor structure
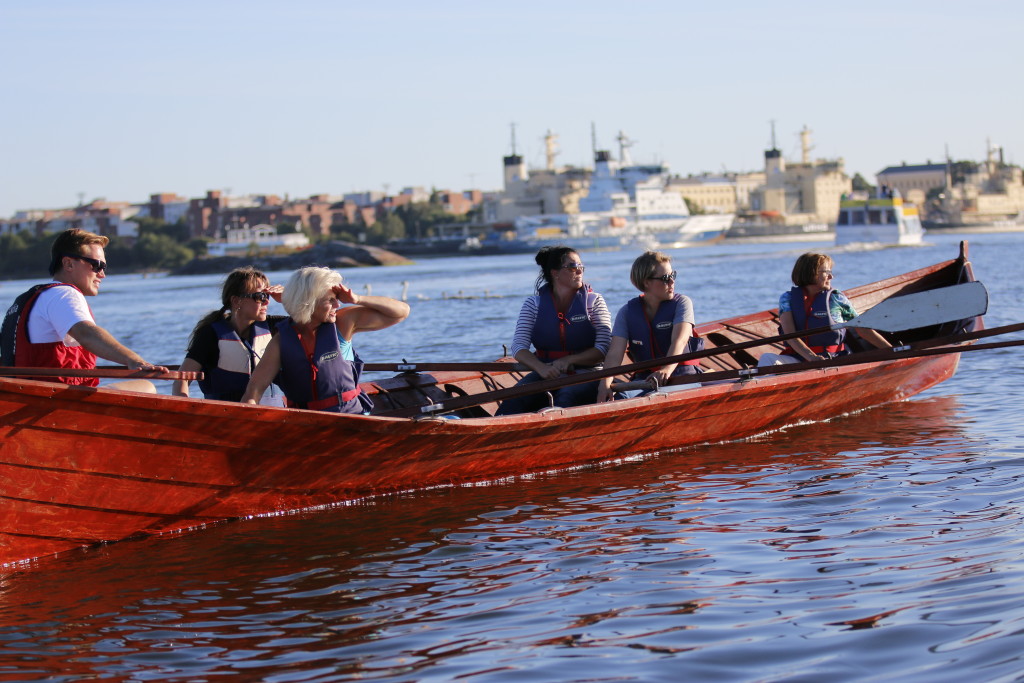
[(534, 192), (624, 204), (800, 193), (785, 197), (962, 193), (914, 181)]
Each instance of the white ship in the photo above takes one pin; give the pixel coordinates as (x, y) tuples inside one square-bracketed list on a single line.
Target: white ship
[(886, 219), (627, 205)]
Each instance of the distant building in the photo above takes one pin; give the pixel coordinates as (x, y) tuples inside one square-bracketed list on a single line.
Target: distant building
[(110, 219), (723, 193), (317, 213), (536, 192), (801, 193), (367, 198), (913, 181), (460, 203), (164, 206), (256, 238), (973, 193), (201, 212)]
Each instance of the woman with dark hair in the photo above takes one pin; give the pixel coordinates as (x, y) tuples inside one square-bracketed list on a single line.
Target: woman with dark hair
[(227, 344), (656, 324), (569, 328), (811, 303)]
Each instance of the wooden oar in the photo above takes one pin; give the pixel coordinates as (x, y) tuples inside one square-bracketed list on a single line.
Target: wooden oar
[(920, 309), (440, 367), (874, 356), (949, 344), (923, 309), (100, 373), (869, 356)]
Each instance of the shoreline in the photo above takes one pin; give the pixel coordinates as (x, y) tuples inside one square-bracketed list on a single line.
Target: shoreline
[(348, 255)]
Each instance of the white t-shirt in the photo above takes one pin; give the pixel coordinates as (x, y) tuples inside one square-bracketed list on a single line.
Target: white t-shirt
[(56, 311)]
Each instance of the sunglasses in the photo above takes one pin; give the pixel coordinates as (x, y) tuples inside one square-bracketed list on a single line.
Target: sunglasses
[(579, 267), (262, 297), (671, 277), (97, 265)]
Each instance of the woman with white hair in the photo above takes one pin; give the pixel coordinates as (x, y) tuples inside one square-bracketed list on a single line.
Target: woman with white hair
[(311, 356)]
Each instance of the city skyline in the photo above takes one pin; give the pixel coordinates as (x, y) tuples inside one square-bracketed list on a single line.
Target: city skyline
[(122, 100)]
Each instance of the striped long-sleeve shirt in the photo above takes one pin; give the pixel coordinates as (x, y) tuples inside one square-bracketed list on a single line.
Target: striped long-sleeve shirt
[(597, 310)]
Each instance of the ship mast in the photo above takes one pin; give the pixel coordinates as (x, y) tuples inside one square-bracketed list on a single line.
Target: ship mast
[(805, 145), (550, 149), (624, 144)]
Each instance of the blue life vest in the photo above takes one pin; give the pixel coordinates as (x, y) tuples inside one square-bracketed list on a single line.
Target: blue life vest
[(326, 382), (650, 339), (555, 334), (236, 359), (830, 341)]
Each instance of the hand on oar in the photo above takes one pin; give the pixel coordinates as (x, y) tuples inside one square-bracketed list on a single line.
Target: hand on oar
[(142, 365)]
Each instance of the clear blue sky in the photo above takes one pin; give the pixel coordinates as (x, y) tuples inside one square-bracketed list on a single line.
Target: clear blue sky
[(124, 98)]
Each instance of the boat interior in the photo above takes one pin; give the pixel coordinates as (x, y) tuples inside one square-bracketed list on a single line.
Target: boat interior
[(414, 389)]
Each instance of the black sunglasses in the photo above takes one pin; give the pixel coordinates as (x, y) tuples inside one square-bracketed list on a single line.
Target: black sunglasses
[(579, 267), (97, 265), (262, 297), (671, 277)]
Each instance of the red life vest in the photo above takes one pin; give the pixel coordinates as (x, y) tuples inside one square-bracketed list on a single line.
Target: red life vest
[(27, 354)]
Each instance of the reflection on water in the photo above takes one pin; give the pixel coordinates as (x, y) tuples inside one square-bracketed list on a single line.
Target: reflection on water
[(883, 541)]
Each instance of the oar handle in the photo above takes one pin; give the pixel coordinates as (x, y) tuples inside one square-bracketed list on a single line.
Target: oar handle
[(100, 373), (632, 386)]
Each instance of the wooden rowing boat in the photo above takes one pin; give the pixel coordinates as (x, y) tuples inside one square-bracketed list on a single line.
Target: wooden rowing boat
[(80, 465)]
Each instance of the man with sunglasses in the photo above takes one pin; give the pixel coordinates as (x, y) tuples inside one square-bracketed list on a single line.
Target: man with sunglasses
[(52, 326)]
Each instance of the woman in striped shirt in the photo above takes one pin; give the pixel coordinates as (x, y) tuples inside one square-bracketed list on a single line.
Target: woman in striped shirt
[(569, 328)]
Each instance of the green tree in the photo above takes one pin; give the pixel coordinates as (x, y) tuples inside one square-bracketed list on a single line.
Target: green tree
[(160, 251), (178, 231), (959, 170), (859, 184), (199, 245), (345, 233), (421, 217), (693, 207), (388, 228), (120, 256)]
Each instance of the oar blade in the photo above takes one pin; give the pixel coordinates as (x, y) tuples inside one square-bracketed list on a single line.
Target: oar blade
[(924, 309)]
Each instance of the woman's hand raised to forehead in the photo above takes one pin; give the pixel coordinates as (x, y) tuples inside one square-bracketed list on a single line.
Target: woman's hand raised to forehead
[(275, 292), (345, 295)]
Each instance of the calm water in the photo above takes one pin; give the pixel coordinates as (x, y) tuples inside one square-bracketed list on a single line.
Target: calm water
[(882, 545)]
